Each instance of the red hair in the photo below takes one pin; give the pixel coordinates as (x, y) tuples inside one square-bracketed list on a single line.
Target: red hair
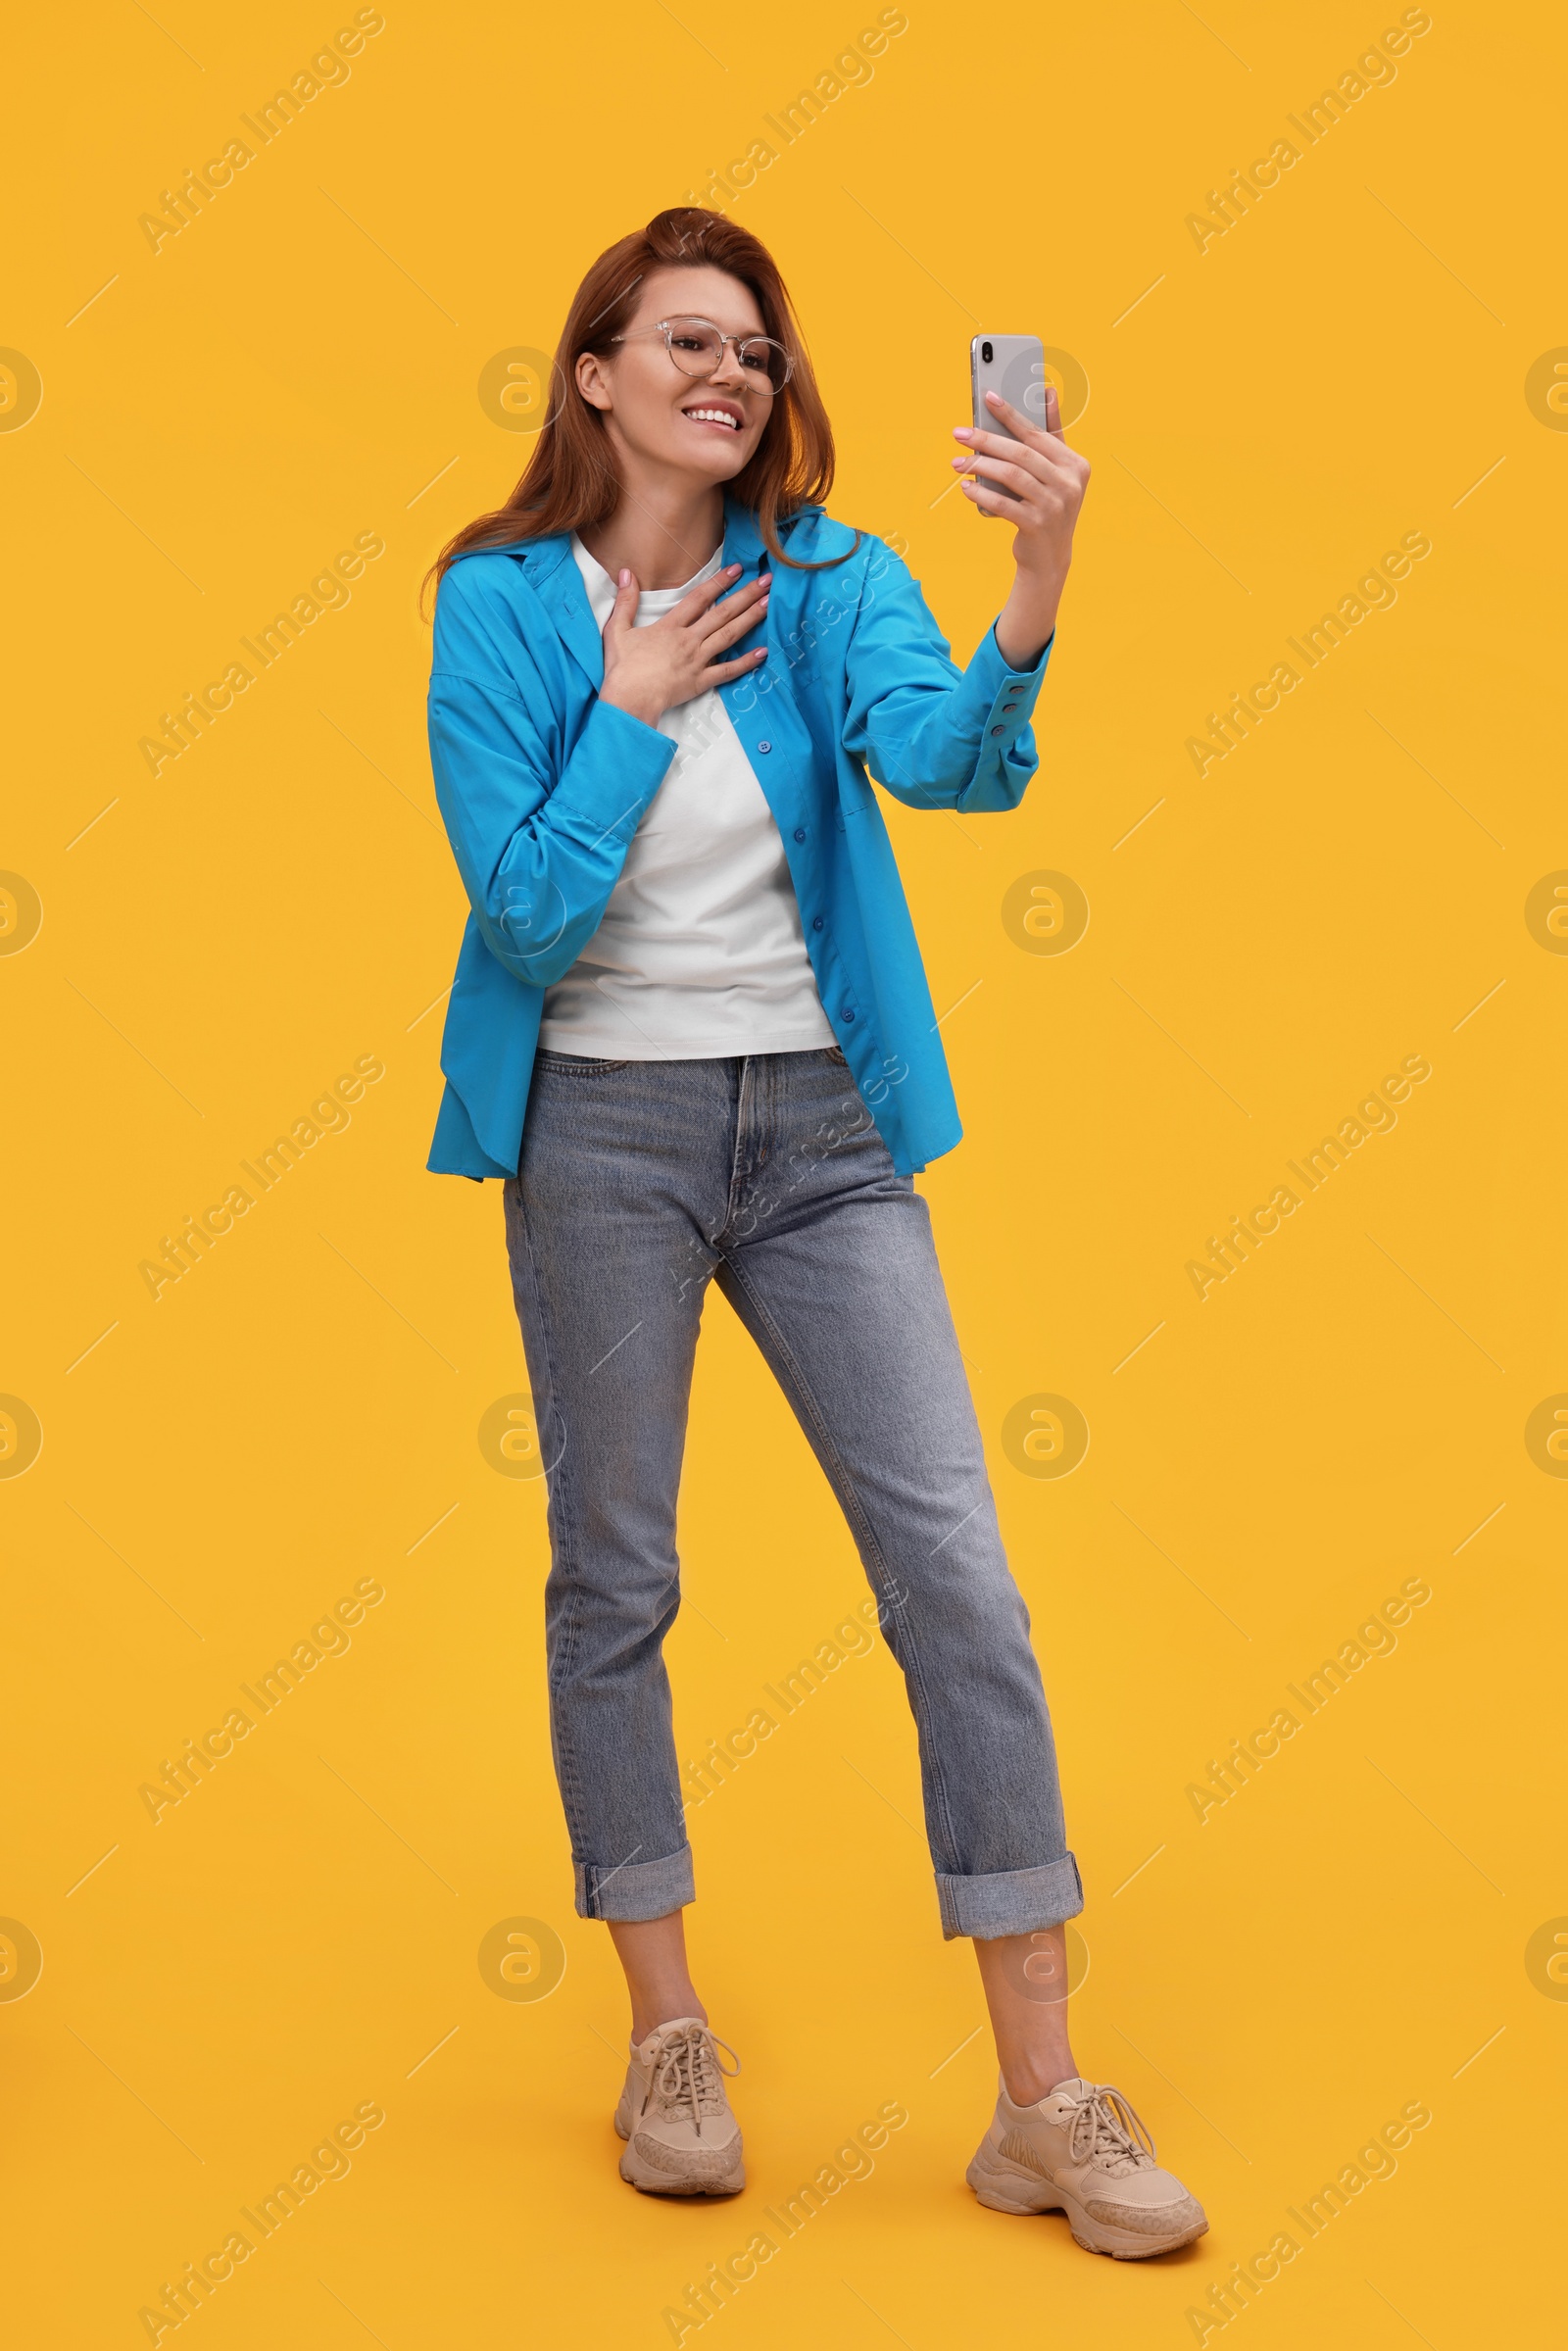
[(570, 482)]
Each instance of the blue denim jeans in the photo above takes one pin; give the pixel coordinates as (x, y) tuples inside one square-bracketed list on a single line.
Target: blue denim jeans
[(640, 1181)]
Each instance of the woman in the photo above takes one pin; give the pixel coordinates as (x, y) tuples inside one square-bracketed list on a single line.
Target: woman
[(691, 1031)]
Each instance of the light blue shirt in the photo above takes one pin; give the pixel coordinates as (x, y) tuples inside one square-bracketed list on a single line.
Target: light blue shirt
[(542, 787)]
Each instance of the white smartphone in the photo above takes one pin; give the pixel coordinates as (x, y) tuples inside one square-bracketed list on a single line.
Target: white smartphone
[(1015, 366)]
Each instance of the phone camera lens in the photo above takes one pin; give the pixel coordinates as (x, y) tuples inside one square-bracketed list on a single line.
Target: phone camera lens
[(985, 353)]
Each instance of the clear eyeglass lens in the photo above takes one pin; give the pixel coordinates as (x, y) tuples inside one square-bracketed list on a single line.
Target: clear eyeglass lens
[(695, 348)]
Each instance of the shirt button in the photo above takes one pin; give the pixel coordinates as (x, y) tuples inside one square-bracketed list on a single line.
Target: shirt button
[(997, 730), (800, 832), (848, 1013), (764, 747), (816, 922), (1009, 705)]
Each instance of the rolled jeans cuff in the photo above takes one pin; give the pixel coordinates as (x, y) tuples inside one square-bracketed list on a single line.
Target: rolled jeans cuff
[(636, 1889), (1010, 1901)]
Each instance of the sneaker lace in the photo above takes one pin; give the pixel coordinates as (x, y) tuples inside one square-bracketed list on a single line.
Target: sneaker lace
[(1106, 2129), (689, 2073)]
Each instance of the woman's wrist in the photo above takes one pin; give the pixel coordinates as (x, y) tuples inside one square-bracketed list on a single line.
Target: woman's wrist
[(635, 706), (1027, 621)]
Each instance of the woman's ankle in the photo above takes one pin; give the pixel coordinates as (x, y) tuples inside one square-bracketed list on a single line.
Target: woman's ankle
[(648, 2015), (659, 1983), (1028, 2079)]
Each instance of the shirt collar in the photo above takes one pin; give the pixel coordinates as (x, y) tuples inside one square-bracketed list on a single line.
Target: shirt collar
[(742, 541)]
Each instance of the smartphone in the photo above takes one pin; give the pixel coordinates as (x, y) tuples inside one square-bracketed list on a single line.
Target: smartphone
[(1015, 366)]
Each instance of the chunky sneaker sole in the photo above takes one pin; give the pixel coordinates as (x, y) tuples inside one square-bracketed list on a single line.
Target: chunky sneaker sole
[(661, 2170), (681, 2138), (1007, 2186), (1083, 2150)]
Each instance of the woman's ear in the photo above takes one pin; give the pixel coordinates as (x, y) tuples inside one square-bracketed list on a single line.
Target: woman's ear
[(593, 380)]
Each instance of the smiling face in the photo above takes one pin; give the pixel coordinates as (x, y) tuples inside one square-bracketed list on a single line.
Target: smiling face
[(660, 419)]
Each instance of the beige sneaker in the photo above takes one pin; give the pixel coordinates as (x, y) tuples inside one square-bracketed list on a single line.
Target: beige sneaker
[(681, 2138), (1084, 2151)]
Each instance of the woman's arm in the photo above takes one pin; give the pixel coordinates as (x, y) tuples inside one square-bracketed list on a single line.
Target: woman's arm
[(931, 735), (1049, 480), (540, 833)]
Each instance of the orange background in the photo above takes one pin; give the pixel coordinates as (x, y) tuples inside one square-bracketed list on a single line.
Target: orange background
[(1370, 1921)]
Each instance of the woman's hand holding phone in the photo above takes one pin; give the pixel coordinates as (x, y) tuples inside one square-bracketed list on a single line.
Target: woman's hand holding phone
[(1047, 481), (651, 670)]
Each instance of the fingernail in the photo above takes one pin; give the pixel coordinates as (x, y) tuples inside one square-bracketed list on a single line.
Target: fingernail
[(625, 579), (963, 432)]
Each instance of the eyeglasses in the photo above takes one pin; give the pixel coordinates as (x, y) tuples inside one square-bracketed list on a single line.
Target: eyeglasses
[(697, 347)]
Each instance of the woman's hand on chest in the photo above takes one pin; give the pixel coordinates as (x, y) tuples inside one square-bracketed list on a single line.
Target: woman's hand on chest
[(651, 670)]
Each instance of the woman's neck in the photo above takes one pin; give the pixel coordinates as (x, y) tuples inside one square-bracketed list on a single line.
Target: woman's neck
[(664, 529)]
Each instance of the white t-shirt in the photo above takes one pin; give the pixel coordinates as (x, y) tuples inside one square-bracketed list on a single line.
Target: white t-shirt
[(700, 952)]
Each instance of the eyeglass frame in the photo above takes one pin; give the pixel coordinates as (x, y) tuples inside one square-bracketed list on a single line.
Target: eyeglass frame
[(667, 328)]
